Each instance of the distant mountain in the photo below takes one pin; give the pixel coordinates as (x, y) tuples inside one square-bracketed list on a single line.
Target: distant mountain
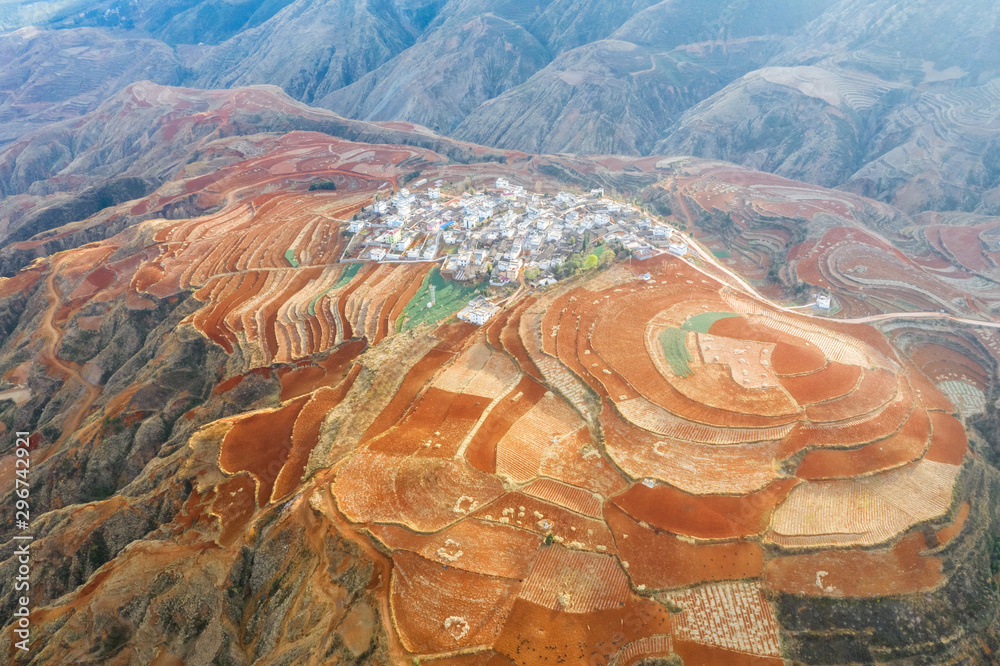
[(439, 80), (311, 47), (605, 97), (892, 100), (51, 75)]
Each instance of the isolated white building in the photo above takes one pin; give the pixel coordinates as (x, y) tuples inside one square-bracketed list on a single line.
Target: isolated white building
[(478, 311)]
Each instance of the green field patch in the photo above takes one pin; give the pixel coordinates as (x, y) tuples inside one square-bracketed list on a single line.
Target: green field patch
[(290, 258), (348, 274), (674, 342), (345, 277), (700, 323), (449, 298), (721, 254)]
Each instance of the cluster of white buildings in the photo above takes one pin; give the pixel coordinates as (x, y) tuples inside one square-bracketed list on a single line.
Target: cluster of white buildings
[(503, 230)]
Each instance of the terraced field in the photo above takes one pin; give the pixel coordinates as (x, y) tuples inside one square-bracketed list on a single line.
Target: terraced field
[(673, 486), (622, 466)]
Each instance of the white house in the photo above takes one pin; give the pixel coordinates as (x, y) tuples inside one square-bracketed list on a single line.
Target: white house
[(478, 311)]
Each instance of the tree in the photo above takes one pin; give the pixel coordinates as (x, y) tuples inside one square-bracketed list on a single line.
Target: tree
[(590, 262), (607, 258)]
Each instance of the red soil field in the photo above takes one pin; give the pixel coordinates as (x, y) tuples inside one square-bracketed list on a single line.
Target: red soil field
[(849, 433), (833, 381), (712, 385), (708, 516), (937, 361), (570, 497), (23, 282), (482, 450), (858, 573), (946, 534), (791, 356), (521, 449), (235, 380), (576, 461), (536, 636), (415, 278), (489, 658), (877, 387), (696, 653), (733, 615), (792, 359), (425, 494), (299, 381), (574, 581), (495, 326), (438, 609), (550, 320), (949, 443), (101, 277), (619, 339), (359, 279), (572, 331), (301, 279), (660, 560), (643, 648), (260, 444), (328, 372), (931, 396), (510, 338), (415, 379), (694, 467), (905, 446), (472, 545), (565, 525), (435, 427), (234, 505), (454, 337), (305, 433)]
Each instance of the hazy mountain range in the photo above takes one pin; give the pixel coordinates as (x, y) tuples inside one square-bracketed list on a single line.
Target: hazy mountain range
[(863, 95)]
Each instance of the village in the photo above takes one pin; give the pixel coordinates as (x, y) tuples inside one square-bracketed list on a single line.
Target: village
[(504, 234)]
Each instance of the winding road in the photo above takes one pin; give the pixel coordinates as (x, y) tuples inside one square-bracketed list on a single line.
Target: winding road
[(54, 338)]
